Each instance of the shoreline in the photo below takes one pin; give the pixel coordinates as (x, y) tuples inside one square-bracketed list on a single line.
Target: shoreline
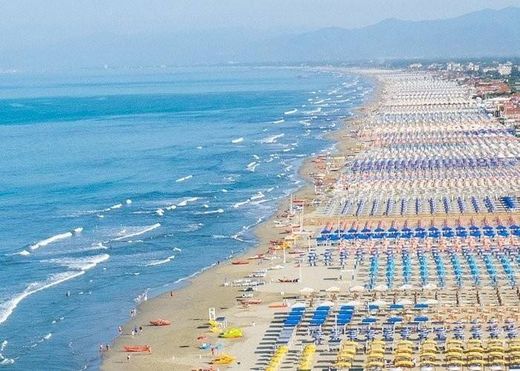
[(180, 352)]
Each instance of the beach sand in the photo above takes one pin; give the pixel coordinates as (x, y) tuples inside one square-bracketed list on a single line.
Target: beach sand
[(176, 347)]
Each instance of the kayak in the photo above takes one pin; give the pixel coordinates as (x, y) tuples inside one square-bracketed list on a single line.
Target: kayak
[(239, 262), (160, 322), (137, 348)]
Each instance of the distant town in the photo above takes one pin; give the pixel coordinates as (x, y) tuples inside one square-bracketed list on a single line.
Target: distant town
[(496, 85)]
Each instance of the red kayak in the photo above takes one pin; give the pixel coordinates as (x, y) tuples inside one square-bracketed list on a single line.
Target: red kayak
[(239, 262), (137, 348), (160, 322)]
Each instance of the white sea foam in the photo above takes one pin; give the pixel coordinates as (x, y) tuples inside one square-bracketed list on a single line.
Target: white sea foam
[(159, 212), (55, 238), (160, 262), (7, 307), (293, 111), (48, 336), (252, 166), (114, 207), (238, 204), (256, 157), (257, 196), (187, 201), (209, 212), (281, 121), (272, 139), (219, 236), (184, 178), (24, 253), (237, 140), (98, 246), (81, 264), (128, 201), (137, 232), (177, 249), (4, 361)]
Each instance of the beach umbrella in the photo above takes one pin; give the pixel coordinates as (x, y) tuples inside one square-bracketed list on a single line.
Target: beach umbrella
[(430, 286), (357, 289), (298, 305), (307, 290), (369, 320), (406, 287), (328, 304), (381, 288), (405, 302), (353, 303), (333, 289)]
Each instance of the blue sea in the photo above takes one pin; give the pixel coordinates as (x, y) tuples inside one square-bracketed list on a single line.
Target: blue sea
[(114, 183)]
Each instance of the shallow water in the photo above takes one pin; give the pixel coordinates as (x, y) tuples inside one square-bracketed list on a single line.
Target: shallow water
[(114, 182)]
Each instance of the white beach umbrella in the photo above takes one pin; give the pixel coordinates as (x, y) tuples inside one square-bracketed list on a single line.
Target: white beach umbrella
[(355, 303), (357, 289), (333, 289), (430, 286), (406, 287), (307, 290), (381, 288), (326, 304), (298, 305), (405, 302)]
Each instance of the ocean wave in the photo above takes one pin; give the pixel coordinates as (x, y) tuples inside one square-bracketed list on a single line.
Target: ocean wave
[(7, 308), (186, 201), (219, 236), (4, 361), (272, 139), (281, 121), (252, 166), (291, 112), (184, 178), (55, 238), (257, 196), (137, 232), (209, 212), (314, 112), (80, 264), (160, 262), (237, 140), (242, 203)]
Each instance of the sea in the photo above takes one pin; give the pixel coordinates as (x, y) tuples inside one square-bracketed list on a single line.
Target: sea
[(120, 184)]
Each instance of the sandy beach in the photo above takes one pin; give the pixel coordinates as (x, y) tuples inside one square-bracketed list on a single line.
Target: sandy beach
[(389, 271)]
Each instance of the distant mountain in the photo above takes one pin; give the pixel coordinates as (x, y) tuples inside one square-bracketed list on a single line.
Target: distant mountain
[(479, 34), (483, 33)]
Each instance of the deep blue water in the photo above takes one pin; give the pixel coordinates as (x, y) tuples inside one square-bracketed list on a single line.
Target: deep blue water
[(152, 167)]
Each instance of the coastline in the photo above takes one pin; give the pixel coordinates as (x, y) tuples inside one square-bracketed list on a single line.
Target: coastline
[(175, 347)]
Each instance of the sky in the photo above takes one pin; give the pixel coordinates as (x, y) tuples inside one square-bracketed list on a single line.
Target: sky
[(36, 24), (37, 19)]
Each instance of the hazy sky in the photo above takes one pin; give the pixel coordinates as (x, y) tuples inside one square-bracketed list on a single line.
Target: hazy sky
[(42, 26), (21, 19)]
